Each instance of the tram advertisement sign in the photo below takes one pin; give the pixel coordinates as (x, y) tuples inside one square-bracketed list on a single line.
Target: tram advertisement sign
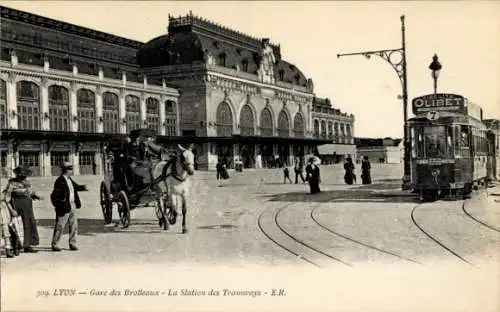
[(439, 102)]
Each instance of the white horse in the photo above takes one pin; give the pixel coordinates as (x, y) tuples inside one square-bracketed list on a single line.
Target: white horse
[(173, 181)]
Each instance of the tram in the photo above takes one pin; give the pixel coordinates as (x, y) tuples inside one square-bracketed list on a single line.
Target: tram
[(449, 149)]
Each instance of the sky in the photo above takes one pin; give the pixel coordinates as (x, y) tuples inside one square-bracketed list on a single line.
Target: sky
[(464, 34)]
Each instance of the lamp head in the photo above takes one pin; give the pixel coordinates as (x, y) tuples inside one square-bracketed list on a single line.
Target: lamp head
[(435, 66)]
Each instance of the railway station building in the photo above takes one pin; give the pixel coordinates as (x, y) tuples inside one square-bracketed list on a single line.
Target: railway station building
[(66, 90)]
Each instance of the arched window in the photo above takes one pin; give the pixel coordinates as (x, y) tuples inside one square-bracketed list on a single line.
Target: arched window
[(330, 130), (153, 114), (316, 128), (224, 120), (246, 121), (59, 108), (132, 112), (3, 105), (28, 105), (266, 123), (283, 125), (110, 112), (170, 118), (298, 126), (323, 129), (85, 107)]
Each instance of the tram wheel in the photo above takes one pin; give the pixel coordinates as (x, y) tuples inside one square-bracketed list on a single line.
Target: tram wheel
[(123, 209), (106, 204)]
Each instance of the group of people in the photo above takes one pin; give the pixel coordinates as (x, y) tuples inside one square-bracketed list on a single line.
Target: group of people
[(313, 177), (312, 173), (350, 176), (18, 224)]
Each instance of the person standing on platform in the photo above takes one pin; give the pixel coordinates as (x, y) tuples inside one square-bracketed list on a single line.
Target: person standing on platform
[(313, 174), (349, 176), (20, 195), (299, 168), (286, 175), (66, 201), (366, 177)]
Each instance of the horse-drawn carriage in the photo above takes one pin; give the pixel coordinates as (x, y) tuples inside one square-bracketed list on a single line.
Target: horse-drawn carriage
[(125, 187)]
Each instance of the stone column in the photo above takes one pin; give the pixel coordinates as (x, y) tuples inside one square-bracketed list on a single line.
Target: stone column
[(12, 101), (257, 157), (99, 111), (123, 110), (44, 103), (10, 165), (73, 108), (45, 159), (75, 157), (291, 157), (236, 153)]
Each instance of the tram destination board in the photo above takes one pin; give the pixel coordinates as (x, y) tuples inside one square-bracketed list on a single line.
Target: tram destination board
[(440, 102)]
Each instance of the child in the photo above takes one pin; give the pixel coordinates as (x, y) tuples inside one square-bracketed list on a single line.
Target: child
[(286, 175)]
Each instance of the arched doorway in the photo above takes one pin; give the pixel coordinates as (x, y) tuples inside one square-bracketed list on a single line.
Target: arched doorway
[(224, 121), (247, 128)]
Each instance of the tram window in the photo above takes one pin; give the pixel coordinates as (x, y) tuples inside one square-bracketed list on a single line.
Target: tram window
[(464, 137), (435, 141), (449, 142)]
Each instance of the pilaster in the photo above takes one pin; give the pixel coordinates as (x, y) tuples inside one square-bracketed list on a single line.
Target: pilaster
[(99, 111), (142, 108), (44, 102), (12, 101), (73, 108), (123, 110)]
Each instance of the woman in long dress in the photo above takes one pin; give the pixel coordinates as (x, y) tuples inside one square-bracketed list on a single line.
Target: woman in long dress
[(313, 175), (20, 195), (349, 171), (366, 177), (6, 214)]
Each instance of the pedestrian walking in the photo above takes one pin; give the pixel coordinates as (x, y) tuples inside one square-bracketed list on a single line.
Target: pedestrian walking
[(66, 201), (313, 174), (19, 194), (299, 169), (286, 175), (349, 176), (366, 177)]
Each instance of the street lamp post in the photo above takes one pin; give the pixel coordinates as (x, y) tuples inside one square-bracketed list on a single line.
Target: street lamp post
[(435, 67), (397, 59)]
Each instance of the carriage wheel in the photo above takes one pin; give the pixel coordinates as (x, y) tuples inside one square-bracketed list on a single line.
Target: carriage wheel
[(106, 204), (123, 209)]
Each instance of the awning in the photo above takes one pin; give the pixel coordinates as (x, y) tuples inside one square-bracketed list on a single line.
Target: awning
[(339, 149)]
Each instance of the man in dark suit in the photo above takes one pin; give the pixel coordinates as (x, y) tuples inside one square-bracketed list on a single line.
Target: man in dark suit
[(65, 199)]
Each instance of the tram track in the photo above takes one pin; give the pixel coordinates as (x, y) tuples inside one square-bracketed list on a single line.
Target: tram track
[(305, 251), (481, 222), (355, 241), (434, 238)]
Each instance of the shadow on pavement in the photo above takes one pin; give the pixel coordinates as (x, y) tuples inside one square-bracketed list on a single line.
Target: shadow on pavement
[(362, 193), (92, 227)]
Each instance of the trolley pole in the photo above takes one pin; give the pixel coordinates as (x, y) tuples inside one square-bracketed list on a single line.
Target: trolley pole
[(397, 59)]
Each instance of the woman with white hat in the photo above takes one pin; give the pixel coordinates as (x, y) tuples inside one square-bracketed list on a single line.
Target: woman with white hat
[(20, 195)]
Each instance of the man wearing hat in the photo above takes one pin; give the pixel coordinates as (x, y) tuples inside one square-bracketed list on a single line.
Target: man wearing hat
[(65, 199)]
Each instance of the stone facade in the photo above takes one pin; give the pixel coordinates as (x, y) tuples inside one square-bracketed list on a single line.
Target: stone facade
[(46, 94), (236, 91)]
